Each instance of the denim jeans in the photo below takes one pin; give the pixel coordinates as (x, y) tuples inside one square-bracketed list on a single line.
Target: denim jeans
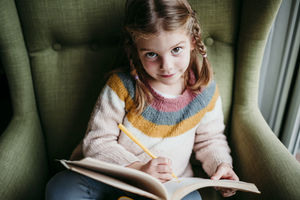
[(70, 185)]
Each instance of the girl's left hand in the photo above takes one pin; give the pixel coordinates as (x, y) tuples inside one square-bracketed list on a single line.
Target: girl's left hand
[(225, 171)]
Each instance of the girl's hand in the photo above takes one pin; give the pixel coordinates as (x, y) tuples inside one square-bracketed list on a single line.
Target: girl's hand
[(225, 171), (159, 167)]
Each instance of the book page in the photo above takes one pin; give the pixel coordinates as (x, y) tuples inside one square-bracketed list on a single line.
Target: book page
[(135, 178), (113, 182), (144, 184), (177, 189)]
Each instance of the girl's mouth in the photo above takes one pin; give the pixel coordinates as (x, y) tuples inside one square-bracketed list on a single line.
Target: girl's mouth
[(167, 75)]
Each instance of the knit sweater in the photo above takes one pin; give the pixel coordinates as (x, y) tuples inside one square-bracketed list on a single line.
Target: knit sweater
[(168, 127)]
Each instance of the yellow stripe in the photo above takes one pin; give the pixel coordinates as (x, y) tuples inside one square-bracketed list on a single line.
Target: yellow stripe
[(116, 84), (154, 130)]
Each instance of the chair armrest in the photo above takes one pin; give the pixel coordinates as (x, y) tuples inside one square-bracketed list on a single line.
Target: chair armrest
[(262, 158), (23, 163)]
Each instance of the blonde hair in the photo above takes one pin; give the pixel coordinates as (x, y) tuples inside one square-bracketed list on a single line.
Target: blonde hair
[(144, 18)]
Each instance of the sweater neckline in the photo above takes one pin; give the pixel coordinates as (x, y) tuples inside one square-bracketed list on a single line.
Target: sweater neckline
[(185, 94), (168, 96)]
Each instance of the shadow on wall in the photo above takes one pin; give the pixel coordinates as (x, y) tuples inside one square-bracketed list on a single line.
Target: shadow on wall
[(5, 102)]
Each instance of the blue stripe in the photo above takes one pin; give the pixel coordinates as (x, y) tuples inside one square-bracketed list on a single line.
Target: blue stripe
[(171, 118), (128, 83)]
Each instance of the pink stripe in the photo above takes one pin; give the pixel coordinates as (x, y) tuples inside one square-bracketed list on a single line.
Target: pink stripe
[(161, 103)]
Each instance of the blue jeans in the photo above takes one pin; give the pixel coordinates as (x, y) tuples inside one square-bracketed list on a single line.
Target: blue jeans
[(70, 185)]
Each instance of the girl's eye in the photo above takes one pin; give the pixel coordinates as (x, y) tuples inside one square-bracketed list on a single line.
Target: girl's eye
[(151, 55), (176, 50)]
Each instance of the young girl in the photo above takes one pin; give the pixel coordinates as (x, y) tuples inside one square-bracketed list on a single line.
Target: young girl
[(166, 98)]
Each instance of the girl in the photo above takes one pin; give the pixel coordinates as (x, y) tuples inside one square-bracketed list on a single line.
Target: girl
[(167, 99)]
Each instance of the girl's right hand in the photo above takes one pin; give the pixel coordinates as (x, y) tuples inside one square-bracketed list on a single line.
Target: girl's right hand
[(159, 167)]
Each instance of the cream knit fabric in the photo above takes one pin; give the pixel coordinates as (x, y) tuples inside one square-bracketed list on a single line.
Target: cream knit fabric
[(169, 127)]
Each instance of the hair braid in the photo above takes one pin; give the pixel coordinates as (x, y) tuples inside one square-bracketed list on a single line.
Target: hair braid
[(140, 88), (203, 72)]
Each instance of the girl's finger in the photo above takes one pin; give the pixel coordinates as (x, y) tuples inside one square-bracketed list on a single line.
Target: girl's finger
[(163, 169), (219, 173), (164, 177), (162, 161), (228, 193)]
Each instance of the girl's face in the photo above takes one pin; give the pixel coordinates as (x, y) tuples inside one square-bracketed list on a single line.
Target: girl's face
[(165, 57)]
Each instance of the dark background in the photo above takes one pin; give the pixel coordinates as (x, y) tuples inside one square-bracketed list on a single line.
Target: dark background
[(5, 103)]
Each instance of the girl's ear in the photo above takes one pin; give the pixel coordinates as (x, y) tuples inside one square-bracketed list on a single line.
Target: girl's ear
[(193, 43)]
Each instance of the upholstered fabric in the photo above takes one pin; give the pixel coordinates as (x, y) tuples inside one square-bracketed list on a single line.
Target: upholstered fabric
[(70, 45), (56, 55)]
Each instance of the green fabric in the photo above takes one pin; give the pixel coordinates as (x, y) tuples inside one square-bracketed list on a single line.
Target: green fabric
[(75, 44), (56, 54), (219, 22), (23, 165), (259, 156), (23, 160)]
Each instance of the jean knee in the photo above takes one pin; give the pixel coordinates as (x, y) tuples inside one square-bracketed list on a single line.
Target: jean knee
[(64, 185), (71, 185), (195, 195)]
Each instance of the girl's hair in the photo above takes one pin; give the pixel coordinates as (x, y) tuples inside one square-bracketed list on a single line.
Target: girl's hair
[(145, 18)]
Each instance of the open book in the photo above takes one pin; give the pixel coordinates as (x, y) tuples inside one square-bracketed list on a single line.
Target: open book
[(143, 184)]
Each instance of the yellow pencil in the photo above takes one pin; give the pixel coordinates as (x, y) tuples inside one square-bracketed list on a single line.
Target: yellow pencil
[(131, 136)]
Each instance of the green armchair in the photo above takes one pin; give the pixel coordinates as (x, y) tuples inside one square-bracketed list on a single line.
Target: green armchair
[(56, 54)]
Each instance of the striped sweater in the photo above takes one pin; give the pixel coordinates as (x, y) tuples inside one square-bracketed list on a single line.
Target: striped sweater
[(168, 127)]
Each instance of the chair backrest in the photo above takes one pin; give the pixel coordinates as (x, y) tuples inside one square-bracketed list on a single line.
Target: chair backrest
[(71, 45)]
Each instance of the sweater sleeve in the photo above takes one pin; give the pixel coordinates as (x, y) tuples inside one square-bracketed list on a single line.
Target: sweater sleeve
[(211, 146), (101, 139)]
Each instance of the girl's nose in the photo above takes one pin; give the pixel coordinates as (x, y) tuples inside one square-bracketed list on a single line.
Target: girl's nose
[(166, 63)]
